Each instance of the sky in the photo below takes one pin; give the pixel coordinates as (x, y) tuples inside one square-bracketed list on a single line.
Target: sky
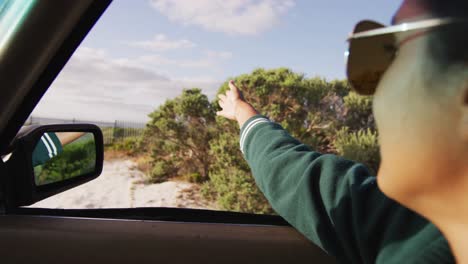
[(143, 52)]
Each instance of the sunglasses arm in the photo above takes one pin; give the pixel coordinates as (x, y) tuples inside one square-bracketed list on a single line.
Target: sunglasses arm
[(425, 24)]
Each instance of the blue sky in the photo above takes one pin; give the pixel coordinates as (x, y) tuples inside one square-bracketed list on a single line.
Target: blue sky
[(143, 52)]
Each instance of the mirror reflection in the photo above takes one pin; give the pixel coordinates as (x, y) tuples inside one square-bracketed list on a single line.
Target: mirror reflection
[(60, 156)]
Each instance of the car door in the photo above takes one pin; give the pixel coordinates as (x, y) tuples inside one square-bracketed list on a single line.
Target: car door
[(34, 46)]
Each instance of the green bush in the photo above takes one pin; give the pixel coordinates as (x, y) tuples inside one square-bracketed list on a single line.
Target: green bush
[(76, 159), (358, 111), (235, 190), (179, 133), (361, 146), (161, 172), (231, 183), (130, 145), (185, 138), (195, 178), (285, 97)]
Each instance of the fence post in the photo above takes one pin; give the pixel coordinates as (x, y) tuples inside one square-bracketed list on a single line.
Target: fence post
[(114, 131)]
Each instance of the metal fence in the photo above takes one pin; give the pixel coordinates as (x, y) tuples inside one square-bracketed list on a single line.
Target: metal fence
[(112, 131)]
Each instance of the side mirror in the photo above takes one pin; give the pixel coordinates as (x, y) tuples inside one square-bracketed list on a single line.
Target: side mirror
[(46, 160)]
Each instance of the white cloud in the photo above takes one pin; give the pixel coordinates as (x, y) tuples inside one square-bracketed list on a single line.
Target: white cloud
[(95, 86), (209, 59), (161, 42), (224, 55), (246, 17)]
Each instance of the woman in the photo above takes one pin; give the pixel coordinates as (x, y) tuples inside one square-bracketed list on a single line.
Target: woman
[(420, 88)]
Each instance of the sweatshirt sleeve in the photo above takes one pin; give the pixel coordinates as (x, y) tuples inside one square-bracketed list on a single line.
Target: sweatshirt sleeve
[(335, 202), (47, 147)]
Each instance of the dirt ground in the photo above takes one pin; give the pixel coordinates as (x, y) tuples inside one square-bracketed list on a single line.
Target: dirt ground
[(120, 186)]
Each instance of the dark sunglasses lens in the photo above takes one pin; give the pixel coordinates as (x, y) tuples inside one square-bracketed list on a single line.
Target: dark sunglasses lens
[(369, 58)]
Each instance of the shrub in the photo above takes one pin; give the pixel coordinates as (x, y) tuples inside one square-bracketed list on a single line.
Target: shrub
[(195, 178), (161, 171), (231, 183), (359, 112), (361, 146), (130, 145), (235, 190), (187, 139), (78, 158), (179, 132)]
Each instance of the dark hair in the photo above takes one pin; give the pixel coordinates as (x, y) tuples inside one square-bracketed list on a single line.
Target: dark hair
[(449, 44)]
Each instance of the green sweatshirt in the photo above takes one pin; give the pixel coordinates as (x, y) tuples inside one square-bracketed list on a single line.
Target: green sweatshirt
[(47, 147), (335, 202)]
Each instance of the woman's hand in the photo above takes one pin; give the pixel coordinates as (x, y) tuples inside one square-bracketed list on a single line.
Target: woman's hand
[(234, 106), (229, 101)]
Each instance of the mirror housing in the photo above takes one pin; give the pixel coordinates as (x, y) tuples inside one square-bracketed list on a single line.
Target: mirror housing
[(21, 188)]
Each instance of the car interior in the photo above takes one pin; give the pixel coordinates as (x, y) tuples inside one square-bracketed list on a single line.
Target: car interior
[(30, 59)]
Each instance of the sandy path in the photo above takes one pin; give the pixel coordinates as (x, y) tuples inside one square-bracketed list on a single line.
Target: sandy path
[(119, 187)]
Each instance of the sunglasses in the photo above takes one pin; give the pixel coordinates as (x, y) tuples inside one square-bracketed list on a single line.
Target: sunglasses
[(373, 47)]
